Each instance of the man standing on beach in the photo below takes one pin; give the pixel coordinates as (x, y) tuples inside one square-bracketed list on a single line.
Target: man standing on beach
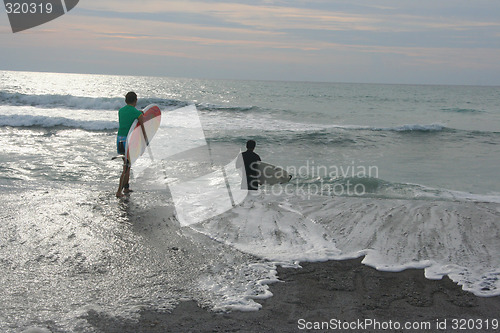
[(249, 159), (126, 116)]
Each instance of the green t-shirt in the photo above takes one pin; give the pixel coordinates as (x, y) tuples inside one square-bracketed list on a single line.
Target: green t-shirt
[(126, 116)]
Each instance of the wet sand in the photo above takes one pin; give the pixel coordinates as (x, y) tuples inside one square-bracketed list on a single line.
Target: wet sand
[(328, 296)]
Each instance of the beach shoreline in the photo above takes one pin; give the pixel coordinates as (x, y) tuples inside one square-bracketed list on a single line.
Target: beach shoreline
[(321, 294), (77, 259), (332, 296)]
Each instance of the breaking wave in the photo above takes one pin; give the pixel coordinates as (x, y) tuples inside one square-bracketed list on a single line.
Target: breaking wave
[(49, 122)]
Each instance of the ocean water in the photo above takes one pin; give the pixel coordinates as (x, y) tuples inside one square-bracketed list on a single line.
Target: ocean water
[(404, 175)]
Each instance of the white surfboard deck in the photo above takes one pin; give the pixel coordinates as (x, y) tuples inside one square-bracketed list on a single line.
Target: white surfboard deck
[(270, 174)]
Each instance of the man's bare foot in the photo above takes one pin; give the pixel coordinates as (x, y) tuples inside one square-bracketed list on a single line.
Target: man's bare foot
[(119, 194)]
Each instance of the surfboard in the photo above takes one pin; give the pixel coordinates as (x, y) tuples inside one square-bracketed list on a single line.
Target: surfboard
[(270, 174), (136, 142)]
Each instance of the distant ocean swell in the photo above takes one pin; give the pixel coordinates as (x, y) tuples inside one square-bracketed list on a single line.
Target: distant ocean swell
[(336, 137), (462, 110), (114, 103), (78, 102), (228, 108), (275, 133), (56, 122), (105, 103)]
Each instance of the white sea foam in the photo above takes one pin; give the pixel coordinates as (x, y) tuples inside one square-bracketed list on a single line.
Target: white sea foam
[(57, 101), (458, 239), (50, 121)]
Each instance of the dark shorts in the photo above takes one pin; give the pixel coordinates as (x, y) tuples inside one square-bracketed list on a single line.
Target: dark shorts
[(121, 142)]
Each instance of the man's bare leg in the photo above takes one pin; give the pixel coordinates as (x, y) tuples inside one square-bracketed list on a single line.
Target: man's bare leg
[(124, 178)]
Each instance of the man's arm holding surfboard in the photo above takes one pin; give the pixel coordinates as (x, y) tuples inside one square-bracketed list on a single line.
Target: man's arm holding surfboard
[(141, 122)]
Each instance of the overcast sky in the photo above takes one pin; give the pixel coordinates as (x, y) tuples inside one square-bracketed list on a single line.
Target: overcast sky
[(387, 41)]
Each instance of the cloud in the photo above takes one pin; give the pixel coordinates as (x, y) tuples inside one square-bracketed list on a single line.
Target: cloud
[(149, 52), (311, 34), (261, 17), (265, 16), (197, 41)]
